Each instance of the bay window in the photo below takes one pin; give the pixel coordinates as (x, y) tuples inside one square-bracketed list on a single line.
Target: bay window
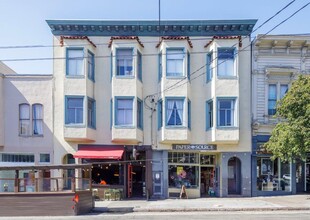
[(226, 112), (225, 62), (75, 57), (124, 59), (124, 111), (175, 61), (174, 111)]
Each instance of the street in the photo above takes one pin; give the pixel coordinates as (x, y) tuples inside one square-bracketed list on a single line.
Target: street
[(274, 215)]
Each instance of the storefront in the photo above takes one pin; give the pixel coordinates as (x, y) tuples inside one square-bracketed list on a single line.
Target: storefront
[(123, 168), (194, 167), (276, 177)]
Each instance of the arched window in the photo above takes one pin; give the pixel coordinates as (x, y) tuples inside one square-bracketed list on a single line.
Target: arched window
[(37, 119), (24, 119)]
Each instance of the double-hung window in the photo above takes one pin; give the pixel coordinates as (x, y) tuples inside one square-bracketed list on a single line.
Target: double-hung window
[(45, 158), (74, 110), (226, 112), (139, 114), (175, 62), (124, 59), (273, 96), (124, 112), (37, 119), (91, 66), (75, 57), (209, 114), (91, 113), (24, 119), (174, 111), (209, 67), (226, 62)]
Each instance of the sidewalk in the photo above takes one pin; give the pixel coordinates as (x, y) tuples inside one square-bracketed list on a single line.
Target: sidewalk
[(288, 203)]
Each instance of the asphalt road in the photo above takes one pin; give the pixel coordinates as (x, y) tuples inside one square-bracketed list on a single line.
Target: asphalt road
[(275, 215)]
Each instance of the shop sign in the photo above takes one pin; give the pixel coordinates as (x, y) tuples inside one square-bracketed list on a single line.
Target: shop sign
[(200, 147)]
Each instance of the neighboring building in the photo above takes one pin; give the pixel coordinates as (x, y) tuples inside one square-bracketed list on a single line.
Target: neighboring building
[(26, 131), (157, 106), (277, 60)]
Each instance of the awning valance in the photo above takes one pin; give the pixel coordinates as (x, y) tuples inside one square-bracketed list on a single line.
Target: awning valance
[(99, 153)]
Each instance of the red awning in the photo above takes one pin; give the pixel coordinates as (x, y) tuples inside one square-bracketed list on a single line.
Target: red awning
[(99, 153)]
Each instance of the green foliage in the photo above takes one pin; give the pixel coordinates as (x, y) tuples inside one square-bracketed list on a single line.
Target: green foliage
[(291, 137)]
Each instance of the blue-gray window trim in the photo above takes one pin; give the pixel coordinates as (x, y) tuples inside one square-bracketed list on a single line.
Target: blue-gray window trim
[(93, 124), (116, 108), (233, 49), (111, 114), (189, 114), (183, 52), (160, 114), (160, 66), (209, 123), (209, 66), (67, 62), (139, 65), (188, 65), (140, 114), (91, 75), (67, 97)]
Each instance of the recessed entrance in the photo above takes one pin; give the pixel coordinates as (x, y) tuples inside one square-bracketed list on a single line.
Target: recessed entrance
[(206, 181), (234, 176)]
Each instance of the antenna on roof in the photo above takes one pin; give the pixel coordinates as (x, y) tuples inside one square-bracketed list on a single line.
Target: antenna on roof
[(159, 35)]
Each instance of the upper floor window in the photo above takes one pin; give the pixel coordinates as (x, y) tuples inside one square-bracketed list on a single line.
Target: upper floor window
[(139, 65), (210, 114), (174, 112), (175, 60), (124, 59), (75, 57), (45, 158), (24, 119), (273, 91), (124, 111), (225, 62), (74, 110), (17, 158), (209, 67), (189, 112), (159, 66), (226, 112), (91, 66), (91, 113), (139, 114), (37, 119)]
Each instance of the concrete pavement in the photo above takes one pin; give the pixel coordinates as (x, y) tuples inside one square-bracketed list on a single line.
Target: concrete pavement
[(270, 203)]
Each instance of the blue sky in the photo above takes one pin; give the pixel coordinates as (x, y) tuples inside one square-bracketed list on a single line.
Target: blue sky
[(23, 22)]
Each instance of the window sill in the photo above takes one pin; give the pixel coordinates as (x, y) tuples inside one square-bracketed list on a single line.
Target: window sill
[(124, 127), (91, 79), (210, 129), (124, 77), (227, 77), (75, 76), (176, 127), (91, 127), (176, 77), (37, 135), (75, 125), (227, 127)]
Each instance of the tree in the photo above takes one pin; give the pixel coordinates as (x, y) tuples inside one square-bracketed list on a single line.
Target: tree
[(290, 139)]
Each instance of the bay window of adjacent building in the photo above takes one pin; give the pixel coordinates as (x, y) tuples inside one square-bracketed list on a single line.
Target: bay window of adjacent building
[(74, 110), (37, 119), (226, 62), (226, 116), (275, 93), (124, 60), (174, 111), (24, 119), (124, 111), (74, 62), (91, 66), (139, 114), (175, 62), (91, 113)]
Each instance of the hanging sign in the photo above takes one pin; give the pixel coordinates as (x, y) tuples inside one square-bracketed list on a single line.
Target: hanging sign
[(200, 147)]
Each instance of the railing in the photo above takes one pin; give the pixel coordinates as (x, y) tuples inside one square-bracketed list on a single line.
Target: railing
[(53, 184)]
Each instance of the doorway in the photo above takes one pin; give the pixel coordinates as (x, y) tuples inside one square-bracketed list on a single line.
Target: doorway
[(136, 181), (307, 176), (234, 176), (206, 181)]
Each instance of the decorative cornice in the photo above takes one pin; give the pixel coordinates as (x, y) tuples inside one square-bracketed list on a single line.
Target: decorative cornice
[(175, 38), (125, 38), (152, 28), (75, 38), (225, 38)]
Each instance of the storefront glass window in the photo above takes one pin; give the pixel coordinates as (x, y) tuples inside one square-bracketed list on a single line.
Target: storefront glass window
[(182, 157), (183, 175), (273, 175), (207, 159)]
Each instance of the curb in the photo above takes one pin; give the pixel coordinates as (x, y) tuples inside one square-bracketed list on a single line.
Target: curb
[(222, 209)]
